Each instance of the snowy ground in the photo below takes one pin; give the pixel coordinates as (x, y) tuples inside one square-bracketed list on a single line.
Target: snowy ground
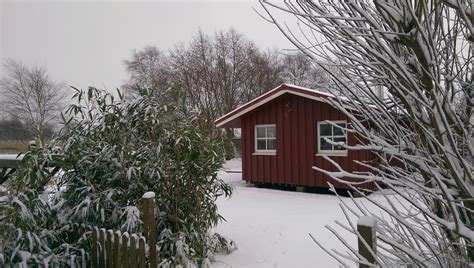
[(270, 227)]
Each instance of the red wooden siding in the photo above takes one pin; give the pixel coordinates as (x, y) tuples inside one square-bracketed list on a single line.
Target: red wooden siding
[(296, 120)]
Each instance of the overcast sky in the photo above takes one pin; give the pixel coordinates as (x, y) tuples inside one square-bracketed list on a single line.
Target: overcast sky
[(84, 43)]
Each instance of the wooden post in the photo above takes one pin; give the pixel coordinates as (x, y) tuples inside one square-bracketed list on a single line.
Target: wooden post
[(150, 226), (141, 253), (109, 249), (366, 226), (133, 251), (95, 240), (125, 250), (117, 236), (102, 248)]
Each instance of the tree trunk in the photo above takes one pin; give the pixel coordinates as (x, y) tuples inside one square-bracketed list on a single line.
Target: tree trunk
[(229, 144)]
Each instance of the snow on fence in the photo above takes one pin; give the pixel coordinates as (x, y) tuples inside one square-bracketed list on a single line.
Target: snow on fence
[(111, 248)]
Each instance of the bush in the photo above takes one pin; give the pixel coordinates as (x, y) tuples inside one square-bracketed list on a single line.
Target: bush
[(114, 151)]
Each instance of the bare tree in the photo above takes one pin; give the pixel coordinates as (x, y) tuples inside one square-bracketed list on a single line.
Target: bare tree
[(148, 68), (420, 54), (216, 73), (29, 95), (299, 70), (264, 73), (220, 72)]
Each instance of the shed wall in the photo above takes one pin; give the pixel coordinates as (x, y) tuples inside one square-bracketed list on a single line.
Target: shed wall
[(296, 120)]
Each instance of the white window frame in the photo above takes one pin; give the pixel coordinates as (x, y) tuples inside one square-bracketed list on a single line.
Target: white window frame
[(330, 152), (264, 152)]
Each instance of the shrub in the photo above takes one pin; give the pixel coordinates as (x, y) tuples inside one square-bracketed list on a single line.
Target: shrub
[(113, 151)]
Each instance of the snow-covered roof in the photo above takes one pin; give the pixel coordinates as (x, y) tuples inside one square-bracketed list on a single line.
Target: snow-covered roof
[(232, 119)]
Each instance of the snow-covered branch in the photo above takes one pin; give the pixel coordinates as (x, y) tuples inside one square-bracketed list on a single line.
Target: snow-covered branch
[(420, 55)]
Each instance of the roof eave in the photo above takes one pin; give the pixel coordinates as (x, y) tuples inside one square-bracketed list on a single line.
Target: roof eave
[(232, 119)]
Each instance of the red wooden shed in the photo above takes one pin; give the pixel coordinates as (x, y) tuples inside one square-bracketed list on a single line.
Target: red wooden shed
[(284, 135)]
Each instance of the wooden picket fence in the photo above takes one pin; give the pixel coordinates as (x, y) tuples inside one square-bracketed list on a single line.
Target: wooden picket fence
[(114, 249), (111, 248)]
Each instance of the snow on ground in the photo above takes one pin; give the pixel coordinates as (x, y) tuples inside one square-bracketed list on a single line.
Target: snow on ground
[(270, 227)]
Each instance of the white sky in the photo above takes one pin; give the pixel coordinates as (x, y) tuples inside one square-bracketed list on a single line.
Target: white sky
[(84, 42)]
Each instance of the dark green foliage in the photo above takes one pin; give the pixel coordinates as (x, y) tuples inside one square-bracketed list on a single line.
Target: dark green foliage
[(113, 152), (117, 152), (29, 226)]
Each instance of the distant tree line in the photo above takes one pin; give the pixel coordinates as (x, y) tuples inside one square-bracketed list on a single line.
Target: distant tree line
[(15, 130), (219, 73)]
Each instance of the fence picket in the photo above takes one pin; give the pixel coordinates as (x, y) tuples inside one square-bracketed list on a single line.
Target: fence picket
[(133, 251), (102, 248), (109, 249), (95, 240), (125, 250), (117, 236), (141, 252)]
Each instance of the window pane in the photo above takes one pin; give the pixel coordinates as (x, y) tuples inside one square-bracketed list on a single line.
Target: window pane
[(337, 129), (271, 132), (338, 147), (324, 145), (343, 125), (261, 145), (325, 130), (271, 144), (260, 132)]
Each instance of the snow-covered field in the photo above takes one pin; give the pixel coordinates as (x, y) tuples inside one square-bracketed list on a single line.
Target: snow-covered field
[(270, 227)]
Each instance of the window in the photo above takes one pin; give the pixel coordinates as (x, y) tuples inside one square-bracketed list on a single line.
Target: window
[(265, 139), (333, 131)]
